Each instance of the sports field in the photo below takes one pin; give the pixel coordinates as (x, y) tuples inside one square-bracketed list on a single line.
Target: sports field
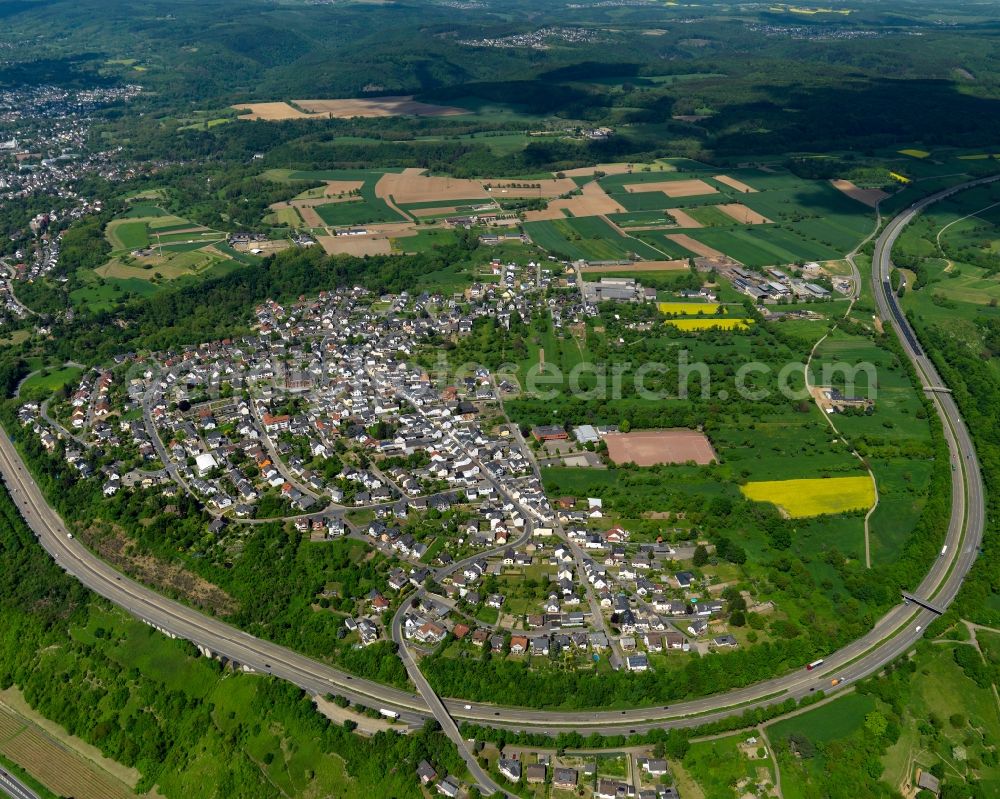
[(653, 447), (814, 497)]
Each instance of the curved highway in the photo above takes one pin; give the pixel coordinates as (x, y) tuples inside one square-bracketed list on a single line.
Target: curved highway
[(891, 636)]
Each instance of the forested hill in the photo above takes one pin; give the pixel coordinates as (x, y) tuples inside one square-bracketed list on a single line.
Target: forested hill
[(222, 306), (190, 728)]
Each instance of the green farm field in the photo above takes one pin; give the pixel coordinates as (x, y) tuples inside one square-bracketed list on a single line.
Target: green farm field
[(760, 245), (424, 241), (284, 216), (128, 234), (367, 209), (642, 219), (586, 238), (812, 220), (142, 210), (357, 212), (710, 216), (821, 729)]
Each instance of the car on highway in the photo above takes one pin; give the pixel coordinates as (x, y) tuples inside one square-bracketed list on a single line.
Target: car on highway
[(467, 707)]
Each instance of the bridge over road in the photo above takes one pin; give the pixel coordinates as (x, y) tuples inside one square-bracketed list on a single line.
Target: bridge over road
[(924, 603)]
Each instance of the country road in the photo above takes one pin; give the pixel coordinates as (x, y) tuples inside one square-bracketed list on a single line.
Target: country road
[(892, 636)]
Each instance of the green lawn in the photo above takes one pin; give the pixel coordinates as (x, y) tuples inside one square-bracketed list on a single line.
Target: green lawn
[(425, 240), (51, 380), (113, 291), (828, 722)]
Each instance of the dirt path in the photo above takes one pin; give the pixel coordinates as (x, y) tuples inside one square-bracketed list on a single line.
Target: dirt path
[(774, 759), (856, 295), (973, 627), (625, 234), (937, 238), (366, 725), (686, 786), (388, 200), (829, 420)]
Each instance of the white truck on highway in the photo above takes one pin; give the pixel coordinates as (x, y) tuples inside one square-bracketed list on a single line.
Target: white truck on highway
[(389, 714)]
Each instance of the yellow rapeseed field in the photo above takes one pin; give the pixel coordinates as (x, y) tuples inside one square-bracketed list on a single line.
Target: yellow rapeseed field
[(707, 324), (801, 498), (688, 308), (915, 153)]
